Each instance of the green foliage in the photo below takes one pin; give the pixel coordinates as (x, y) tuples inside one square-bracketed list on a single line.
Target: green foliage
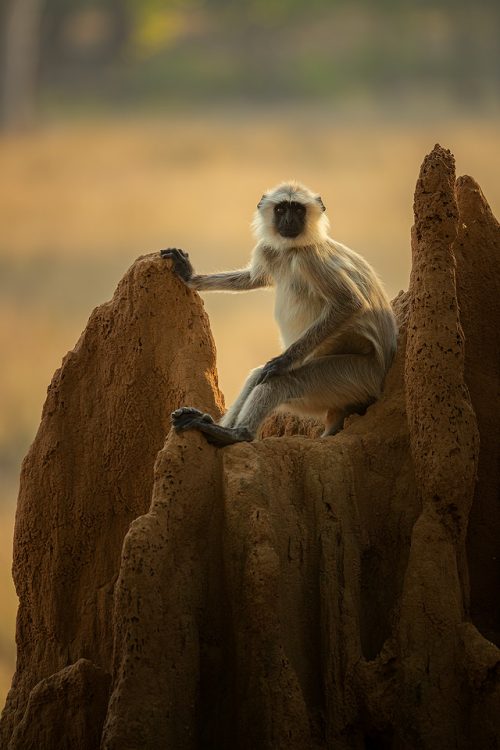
[(171, 50)]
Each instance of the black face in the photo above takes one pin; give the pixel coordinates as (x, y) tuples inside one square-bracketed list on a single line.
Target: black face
[(289, 218)]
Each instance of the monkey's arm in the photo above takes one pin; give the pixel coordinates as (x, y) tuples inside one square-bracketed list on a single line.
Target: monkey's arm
[(229, 281), (342, 301)]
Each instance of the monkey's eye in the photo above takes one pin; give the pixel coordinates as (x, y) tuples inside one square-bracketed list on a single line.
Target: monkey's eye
[(279, 209)]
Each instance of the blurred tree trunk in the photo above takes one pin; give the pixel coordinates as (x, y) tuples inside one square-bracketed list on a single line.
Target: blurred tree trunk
[(21, 20)]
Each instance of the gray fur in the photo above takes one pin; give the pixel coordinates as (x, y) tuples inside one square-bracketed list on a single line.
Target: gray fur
[(229, 281), (337, 326)]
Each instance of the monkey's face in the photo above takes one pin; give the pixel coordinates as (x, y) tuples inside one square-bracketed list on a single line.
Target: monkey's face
[(290, 215), (289, 218)]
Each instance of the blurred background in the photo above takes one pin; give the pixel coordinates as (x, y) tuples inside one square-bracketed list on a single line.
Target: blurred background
[(131, 125)]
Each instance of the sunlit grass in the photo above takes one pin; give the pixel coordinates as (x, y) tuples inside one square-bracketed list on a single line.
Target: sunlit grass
[(8, 599)]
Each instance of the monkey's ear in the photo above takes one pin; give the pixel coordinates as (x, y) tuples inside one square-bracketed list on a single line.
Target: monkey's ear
[(260, 203), (321, 204)]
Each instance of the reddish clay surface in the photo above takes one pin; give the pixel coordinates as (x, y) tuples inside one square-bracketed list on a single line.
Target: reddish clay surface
[(294, 592)]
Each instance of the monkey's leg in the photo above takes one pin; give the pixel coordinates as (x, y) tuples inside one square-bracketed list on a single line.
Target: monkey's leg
[(188, 418), (327, 383), (334, 421), (266, 397), (335, 417), (231, 416), (221, 436)]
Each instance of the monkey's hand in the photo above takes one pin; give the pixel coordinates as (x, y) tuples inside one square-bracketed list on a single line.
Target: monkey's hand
[(276, 366), (182, 265)]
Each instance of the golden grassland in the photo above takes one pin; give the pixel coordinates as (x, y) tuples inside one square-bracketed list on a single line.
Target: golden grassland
[(79, 201), (8, 602)]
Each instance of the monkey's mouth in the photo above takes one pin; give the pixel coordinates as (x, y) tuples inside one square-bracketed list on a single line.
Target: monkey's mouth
[(289, 234)]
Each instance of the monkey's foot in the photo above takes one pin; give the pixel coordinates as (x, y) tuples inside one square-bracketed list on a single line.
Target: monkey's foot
[(221, 436), (183, 418), (188, 418)]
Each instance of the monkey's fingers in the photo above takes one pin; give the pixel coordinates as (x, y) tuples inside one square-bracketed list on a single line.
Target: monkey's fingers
[(181, 263), (173, 252)]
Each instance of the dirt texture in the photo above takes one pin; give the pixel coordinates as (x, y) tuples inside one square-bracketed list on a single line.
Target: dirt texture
[(293, 592), (89, 472)]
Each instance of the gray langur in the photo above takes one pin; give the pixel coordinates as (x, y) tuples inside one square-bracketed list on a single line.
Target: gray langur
[(337, 326)]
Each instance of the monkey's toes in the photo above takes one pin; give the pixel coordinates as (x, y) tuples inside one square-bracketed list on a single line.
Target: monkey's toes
[(186, 411), (188, 416), (183, 417), (185, 423)]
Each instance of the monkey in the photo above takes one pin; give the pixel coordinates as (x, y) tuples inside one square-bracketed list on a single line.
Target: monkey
[(337, 326)]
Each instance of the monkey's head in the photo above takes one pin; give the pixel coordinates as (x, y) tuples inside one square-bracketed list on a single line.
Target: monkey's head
[(290, 215)]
